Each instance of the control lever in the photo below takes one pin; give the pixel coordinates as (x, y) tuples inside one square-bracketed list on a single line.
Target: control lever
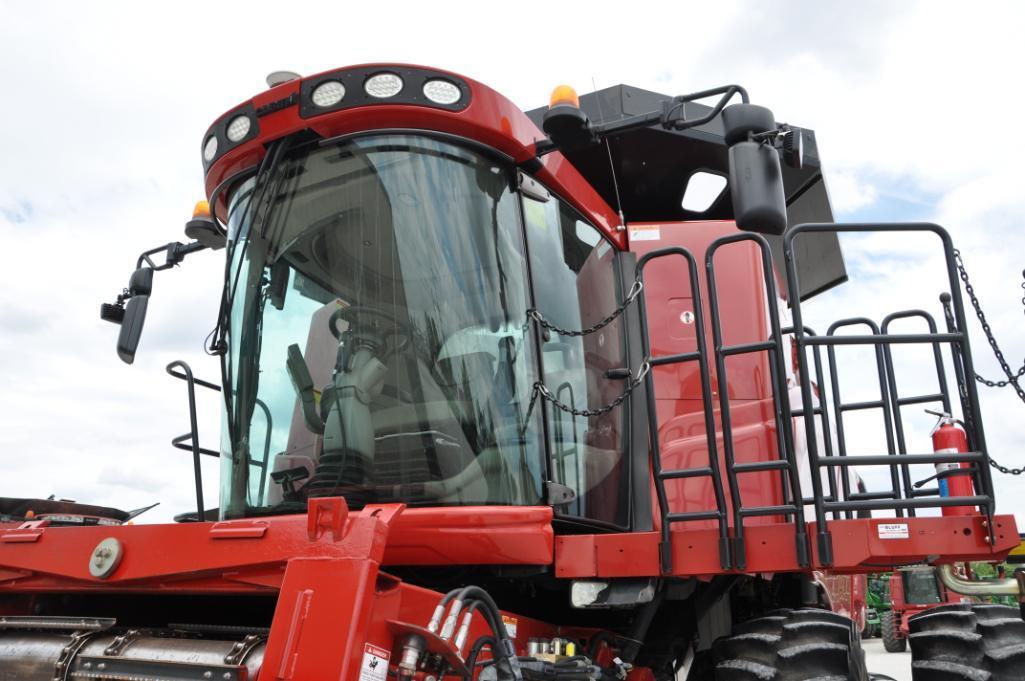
[(299, 373), (288, 477)]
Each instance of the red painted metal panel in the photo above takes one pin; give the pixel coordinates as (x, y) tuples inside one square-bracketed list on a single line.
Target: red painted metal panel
[(248, 554), (772, 548), (490, 119)]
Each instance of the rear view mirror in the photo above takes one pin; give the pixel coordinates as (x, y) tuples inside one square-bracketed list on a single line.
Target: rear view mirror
[(756, 187), (139, 288)]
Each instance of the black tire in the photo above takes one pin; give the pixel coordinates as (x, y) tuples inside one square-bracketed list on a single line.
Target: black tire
[(792, 645), (893, 642), (966, 642)]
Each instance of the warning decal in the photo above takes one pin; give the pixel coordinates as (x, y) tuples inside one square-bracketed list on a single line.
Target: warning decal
[(893, 531), (510, 625), (645, 234), (375, 664)]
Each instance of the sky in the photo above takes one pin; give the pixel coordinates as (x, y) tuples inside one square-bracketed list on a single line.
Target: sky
[(913, 103)]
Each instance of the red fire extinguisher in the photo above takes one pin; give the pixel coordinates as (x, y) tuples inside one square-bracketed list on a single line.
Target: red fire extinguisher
[(955, 480)]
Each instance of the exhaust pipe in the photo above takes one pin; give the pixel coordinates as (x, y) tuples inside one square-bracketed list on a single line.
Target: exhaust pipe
[(1007, 586)]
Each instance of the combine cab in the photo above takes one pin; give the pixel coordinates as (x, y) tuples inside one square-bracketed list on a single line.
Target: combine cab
[(507, 396)]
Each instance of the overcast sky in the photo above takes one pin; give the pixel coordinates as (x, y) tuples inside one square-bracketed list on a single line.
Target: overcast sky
[(915, 105)]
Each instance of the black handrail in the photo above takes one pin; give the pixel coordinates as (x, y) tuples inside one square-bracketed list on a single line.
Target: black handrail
[(193, 434), (786, 464), (712, 470), (956, 336)]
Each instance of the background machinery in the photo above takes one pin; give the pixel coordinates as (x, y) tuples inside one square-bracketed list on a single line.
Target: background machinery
[(503, 399), (913, 590)]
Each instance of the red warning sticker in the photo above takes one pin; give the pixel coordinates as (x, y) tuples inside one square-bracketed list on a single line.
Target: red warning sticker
[(375, 664)]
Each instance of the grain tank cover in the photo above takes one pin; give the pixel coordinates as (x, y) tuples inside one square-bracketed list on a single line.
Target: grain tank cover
[(653, 165)]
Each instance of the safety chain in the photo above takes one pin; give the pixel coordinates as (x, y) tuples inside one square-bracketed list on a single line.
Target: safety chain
[(1005, 470), (635, 291), (542, 390), (1012, 377)]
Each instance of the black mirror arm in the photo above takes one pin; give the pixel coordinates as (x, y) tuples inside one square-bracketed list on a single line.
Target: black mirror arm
[(176, 252)]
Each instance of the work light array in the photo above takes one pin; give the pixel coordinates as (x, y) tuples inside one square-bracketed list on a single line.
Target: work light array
[(338, 90)]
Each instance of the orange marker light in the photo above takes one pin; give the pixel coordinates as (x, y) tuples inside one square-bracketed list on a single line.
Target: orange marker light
[(202, 210), (564, 94)]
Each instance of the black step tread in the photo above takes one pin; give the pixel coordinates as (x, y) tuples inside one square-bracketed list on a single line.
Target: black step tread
[(744, 670), (806, 632), (966, 647), (752, 646), (942, 619), (942, 670)]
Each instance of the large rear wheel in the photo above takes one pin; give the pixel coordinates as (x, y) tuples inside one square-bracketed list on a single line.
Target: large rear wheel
[(966, 642), (792, 645), (893, 642)]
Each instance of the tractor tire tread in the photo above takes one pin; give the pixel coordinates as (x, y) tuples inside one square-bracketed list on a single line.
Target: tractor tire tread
[(892, 640), (993, 650), (793, 645)]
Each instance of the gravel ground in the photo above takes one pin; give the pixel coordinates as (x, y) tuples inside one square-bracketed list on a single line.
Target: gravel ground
[(897, 665)]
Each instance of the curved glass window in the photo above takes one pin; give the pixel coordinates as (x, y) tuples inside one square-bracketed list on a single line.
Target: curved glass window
[(377, 343)]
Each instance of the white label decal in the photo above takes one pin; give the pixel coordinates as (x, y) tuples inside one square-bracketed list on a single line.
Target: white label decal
[(645, 234), (510, 625), (893, 531), (375, 664)]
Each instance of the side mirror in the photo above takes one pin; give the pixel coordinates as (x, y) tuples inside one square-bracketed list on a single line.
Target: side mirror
[(756, 187), (139, 288), (756, 180)]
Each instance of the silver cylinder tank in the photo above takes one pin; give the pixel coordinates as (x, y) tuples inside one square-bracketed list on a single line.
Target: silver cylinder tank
[(43, 656)]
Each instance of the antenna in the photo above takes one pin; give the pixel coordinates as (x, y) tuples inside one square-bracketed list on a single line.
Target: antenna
[(612, 166)]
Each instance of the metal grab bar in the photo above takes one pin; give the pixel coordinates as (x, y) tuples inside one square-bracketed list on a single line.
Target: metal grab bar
[(180, 442), (193, 434)]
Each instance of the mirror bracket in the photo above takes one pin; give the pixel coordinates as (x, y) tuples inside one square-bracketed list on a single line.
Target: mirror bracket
[(129, 308)]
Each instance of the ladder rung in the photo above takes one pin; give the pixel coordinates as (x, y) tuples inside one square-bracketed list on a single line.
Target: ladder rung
[(685, 473), (693, 515), (857, 496), (855, 406), (817, 411), (768, 510), (920, 399), (744, 348), (756, 466), (673, 359)]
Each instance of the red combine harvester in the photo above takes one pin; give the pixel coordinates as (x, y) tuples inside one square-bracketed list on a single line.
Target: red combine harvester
[(507, 396), (913, 590)]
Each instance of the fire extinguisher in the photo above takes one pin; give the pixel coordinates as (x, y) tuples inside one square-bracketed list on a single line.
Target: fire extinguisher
[(955, 480)]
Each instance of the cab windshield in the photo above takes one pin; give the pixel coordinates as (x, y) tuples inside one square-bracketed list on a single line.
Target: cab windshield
[(378, 348), (920, 587)]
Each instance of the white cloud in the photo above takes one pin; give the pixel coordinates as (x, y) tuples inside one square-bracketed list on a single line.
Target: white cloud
[(848, 193)]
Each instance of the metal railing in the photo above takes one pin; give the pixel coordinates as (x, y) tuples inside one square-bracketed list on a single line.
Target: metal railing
[(836, 497)]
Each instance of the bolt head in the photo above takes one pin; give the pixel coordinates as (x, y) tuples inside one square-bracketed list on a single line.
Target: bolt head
[(105, 558)]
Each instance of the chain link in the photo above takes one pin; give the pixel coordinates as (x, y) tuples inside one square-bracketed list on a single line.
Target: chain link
[(1005, 470), (635, 291), (542, 390), (1012, 376)]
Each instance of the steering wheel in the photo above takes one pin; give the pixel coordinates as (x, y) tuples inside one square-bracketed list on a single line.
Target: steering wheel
[(392, 328)]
